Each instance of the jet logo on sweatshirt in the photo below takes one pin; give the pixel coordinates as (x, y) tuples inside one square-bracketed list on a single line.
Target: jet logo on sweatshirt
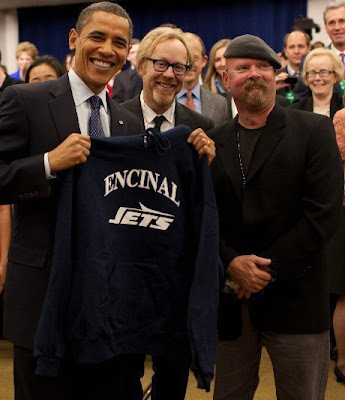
[(144, 217)]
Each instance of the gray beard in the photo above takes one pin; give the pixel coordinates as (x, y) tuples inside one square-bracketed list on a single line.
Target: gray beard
[(163, 101)]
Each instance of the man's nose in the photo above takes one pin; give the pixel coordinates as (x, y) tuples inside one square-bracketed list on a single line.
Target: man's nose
[(169, 72), (254, 71), (107, 47)]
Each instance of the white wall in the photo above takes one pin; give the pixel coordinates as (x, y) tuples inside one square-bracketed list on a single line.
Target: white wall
[(315, 9), (9, 35)]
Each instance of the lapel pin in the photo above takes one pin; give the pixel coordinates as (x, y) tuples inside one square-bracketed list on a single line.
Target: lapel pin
[(121, 122)]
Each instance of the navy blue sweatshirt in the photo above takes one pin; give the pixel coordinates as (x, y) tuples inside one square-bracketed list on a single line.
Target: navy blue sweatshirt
[(135, 264)]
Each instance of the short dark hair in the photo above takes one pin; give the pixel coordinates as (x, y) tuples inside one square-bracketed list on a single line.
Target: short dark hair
[(0, 56), (49, 60), (105, 6)]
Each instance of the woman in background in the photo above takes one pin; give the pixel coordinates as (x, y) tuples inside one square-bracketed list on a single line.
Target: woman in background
[(26, 53), (45, 68), (216, 65), (322, 69), (214, 75)]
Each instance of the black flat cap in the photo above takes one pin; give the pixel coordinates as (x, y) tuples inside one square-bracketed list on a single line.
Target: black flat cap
[(249, 46)]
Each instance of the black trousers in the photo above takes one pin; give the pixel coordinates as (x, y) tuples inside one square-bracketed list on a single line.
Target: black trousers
[(117, 379)]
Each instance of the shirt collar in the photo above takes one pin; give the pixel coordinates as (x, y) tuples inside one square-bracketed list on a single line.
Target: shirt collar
[(196, 92), (290, 70), (219, 86), (336, 51), (149, 115), (81, 92)]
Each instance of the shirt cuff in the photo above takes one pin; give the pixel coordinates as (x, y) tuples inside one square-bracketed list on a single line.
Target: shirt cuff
[(49, 175)]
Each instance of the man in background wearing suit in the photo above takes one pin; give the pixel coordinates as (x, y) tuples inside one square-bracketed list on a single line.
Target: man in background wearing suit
[(296, 45), (128, 83), (193, 95), (163, 60), (278, 181)]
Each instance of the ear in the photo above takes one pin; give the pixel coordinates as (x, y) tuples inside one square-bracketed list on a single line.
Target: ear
[(128, 50), (73, 36), (141, 70), (226, 80), (204, 61)]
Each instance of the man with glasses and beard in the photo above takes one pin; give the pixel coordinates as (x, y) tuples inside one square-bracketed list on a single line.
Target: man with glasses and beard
[(163, 60), (278, 183)]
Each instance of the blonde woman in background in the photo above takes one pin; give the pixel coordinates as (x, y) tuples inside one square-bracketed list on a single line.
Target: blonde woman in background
[(321, 71), (214, 75), (26, 53)]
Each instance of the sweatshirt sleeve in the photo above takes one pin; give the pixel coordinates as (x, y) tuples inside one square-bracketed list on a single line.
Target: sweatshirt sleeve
[(204, 294), (49, 344)]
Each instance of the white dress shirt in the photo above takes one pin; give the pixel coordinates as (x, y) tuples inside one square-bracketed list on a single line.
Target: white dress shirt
[(149, 115), (81, 93)]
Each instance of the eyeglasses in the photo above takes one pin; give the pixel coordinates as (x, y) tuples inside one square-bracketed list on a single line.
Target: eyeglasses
[(323, 73), (162, 66), (245, 68)]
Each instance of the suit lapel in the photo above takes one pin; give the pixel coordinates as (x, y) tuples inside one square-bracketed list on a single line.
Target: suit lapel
[(270, 137), (62, 108), (207, 105), (227, 152), (181, 117), (117, 123)]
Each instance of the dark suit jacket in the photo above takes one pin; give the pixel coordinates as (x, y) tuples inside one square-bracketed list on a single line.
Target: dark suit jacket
[(289, 209), (183, 115), (127, 84), (214, 106), (34, 119), (9, 82), (282, 91), (306, 104)]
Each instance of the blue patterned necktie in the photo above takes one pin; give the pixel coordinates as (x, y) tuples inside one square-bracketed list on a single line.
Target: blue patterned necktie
[(95, 123)]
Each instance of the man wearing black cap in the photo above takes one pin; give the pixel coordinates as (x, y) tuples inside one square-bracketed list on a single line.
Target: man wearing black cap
[(278, 182)]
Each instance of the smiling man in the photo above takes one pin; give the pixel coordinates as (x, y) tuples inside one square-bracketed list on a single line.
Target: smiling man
[(296, 45), (163, 60), (334, 18), (278, 184), (40, 126)]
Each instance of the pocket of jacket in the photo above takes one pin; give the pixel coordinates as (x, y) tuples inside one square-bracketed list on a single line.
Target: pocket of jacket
[(139, 299)]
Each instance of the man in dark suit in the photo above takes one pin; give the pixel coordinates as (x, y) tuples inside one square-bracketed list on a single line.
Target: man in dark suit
[(279, 185), (128, 83), (163, 59), (40, 126), (296, 45), (203, 101)]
